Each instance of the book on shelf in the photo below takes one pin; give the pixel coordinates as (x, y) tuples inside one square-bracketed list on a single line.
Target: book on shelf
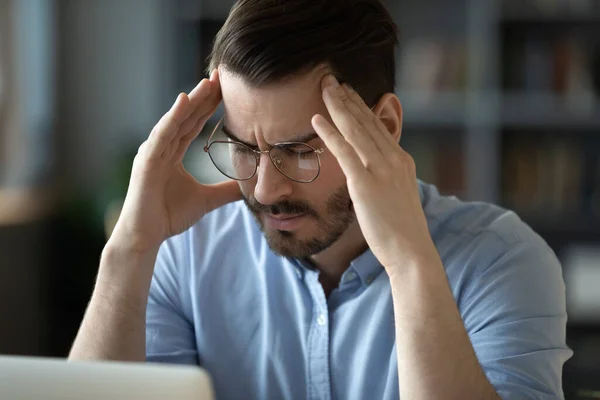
[(565, 66), (429, 65), (439, 161), (549, 179)]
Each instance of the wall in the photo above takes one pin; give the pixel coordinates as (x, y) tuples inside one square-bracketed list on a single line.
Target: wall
[(116, 79)]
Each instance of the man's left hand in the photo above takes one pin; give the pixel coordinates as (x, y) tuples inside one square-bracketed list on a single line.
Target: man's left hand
[(381, 178)]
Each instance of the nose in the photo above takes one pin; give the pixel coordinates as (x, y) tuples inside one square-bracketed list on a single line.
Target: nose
[(271, 185)]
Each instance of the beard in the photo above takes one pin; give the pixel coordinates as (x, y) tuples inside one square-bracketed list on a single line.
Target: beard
[(330, 226)]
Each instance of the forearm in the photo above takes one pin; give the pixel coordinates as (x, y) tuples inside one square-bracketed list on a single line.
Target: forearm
[(114, 324), (435, 357)]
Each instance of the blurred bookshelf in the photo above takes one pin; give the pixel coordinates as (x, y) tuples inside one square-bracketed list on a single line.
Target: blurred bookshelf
[(546, 84)]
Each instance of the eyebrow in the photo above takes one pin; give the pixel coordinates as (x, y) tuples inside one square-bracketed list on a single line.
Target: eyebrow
[(300, 138)]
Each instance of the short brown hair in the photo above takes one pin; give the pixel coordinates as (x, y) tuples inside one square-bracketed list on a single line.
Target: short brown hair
[(264, 41)]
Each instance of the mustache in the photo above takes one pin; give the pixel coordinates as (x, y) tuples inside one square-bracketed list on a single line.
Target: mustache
[(281, 207)]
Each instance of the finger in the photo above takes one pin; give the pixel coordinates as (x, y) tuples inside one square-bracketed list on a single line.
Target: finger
[(340, 110), (355, 98), (343, 151), (168, 126), (201, 91), (214, 75), (371, 122), (201, 99), (200, 96), (194, 130), (221, 194), (212, 93), (365, 117), (185, 142), (206, 110)]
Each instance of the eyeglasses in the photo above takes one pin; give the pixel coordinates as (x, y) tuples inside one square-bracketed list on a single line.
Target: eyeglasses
[(297, 161)]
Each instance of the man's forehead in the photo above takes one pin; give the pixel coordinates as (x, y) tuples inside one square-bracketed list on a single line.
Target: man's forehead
[(292, 94), (277, 112)]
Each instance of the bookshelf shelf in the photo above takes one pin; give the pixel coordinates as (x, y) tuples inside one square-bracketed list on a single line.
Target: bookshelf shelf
[(534, 18), (434, 109), (577, 226), (557, 14), (522, 110)]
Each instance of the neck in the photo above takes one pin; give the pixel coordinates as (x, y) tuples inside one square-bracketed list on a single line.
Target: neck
[(333, 261)]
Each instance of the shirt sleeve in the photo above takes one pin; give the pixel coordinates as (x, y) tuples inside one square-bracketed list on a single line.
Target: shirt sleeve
[(515, 314), (169, 334)]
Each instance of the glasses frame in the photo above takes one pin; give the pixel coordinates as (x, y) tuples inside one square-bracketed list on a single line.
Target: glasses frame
[(258, 153)]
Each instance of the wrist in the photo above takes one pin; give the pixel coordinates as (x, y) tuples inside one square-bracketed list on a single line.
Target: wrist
[(121, 264), (127, 247), (123, 282), (122, 240), (415, 270)]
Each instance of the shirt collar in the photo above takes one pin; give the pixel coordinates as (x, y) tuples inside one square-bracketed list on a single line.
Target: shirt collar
[(365, 267)]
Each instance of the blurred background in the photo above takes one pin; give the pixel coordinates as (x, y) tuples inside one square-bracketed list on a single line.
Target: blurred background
[(501, 104)]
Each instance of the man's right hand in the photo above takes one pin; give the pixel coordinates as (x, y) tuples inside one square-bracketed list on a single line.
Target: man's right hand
[(163, 199)]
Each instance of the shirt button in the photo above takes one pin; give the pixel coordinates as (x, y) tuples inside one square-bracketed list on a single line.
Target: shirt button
[(321, 320), (350, 276), (370, 280)]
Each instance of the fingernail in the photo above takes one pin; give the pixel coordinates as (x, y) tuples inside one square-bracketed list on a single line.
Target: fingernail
[(332, 81)]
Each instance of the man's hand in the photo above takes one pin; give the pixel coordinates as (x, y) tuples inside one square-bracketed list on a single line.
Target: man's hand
[(435, 357), (381, 178), (163, 199)]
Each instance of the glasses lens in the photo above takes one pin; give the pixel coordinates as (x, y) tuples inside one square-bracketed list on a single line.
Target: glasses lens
[(234, 160), (297, 161)]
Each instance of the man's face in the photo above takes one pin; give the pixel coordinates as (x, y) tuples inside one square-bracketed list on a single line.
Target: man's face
[(298, 219)]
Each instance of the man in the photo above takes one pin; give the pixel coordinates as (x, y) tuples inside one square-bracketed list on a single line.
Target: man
[(324, 269)]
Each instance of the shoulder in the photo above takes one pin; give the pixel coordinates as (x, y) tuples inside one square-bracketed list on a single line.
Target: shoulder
[(452, 220), (481, 242)]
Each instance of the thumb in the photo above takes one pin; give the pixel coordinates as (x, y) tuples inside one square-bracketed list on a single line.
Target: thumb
[(221, 194)]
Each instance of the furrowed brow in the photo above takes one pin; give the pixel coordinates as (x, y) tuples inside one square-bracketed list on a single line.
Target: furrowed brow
[(234, 137), (298, 139)]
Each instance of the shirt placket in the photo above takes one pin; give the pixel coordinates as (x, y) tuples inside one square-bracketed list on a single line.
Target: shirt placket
[(319, 384)]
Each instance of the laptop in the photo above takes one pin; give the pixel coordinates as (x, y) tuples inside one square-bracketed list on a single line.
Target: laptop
[(30, 378)]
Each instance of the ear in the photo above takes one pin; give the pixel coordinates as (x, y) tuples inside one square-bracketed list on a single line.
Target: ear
[(389, 111)]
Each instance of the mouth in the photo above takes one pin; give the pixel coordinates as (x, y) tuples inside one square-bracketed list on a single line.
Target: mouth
[(284, 222)]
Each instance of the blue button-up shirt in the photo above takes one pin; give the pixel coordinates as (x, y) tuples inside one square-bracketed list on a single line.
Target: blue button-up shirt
[(262, 327)]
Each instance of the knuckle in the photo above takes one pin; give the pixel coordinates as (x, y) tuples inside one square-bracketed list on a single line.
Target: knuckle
[(357, 131), (382, 170), (371, 166), (333, 134), (412, 166), (346, 148), (171, 120), (343, 95), (142, 147), (405, 160)]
